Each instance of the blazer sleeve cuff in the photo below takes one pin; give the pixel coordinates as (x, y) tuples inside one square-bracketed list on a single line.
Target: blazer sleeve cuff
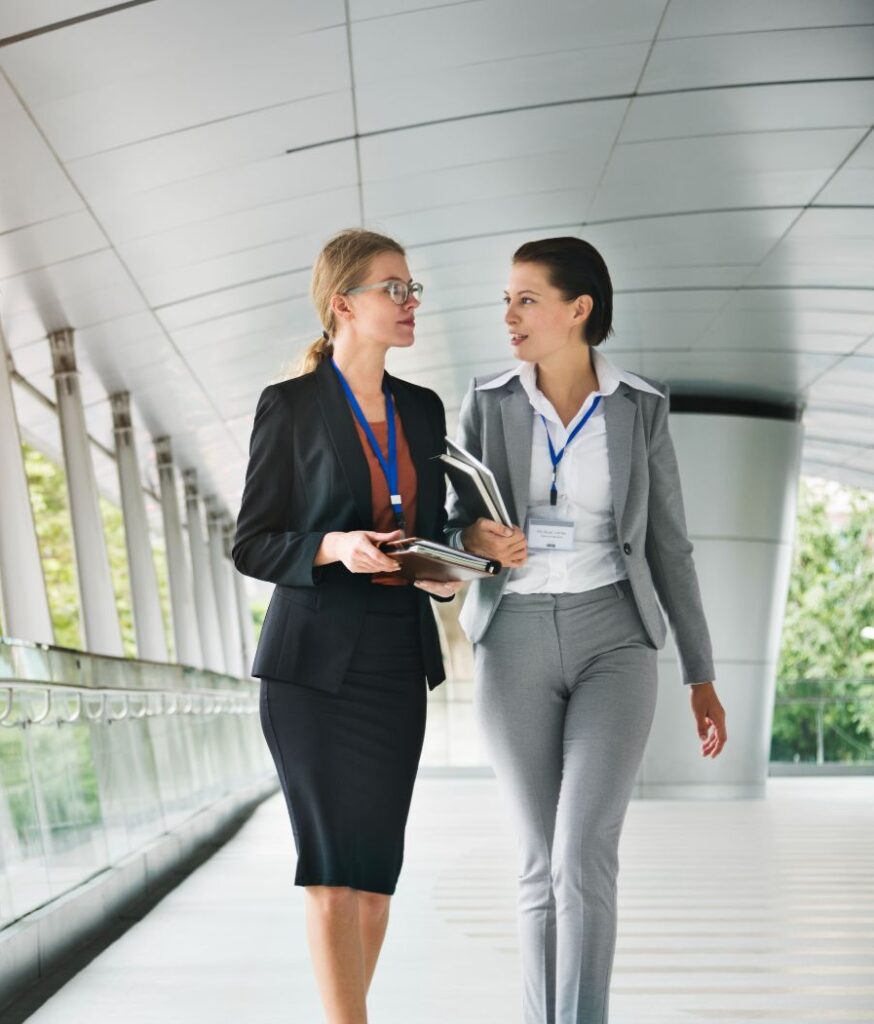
[(698, 672), (453, 538)]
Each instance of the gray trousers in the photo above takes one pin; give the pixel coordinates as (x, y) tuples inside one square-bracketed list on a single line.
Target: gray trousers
[(565, 695)]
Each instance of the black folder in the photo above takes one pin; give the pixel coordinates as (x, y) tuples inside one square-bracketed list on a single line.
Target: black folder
[(422, 559), (475, 484)]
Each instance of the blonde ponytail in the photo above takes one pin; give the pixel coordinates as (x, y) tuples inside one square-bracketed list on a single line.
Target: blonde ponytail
[(320, 350)]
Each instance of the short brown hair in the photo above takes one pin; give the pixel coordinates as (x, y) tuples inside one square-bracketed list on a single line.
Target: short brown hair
[(576, 268)]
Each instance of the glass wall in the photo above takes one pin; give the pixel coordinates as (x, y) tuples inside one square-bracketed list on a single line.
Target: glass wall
[(100, 755)]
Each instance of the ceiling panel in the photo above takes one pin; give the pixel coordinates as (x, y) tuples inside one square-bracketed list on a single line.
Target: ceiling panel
[(18, 16), (75, 292), (787, 329), (194, 153), (779, 56), (247, 264), (496, 56), (762, 169), (572, 170), (231, 331), (51, 241), (491, 139), (821, 451), (828, 421), (33, 185), (770, 108), (532, 211), (242, 231), (211, 198), (719, 239), (115, 80), (484, 86), (148, 199), (851, 379), (712, 17), (825, 247), (765, 375), (827, 471), (234, 300), (853, 185)]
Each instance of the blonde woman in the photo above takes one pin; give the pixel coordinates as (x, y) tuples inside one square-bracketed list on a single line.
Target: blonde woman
[(341, 459)]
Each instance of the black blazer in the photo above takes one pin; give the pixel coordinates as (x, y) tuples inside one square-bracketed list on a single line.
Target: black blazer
[(308, 476)]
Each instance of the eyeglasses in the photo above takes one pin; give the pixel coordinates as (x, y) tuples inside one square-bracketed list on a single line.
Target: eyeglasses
[(399, 291)]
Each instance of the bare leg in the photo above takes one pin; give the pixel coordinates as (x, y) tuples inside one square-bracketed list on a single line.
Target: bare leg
[(372, 923), (334, 936)]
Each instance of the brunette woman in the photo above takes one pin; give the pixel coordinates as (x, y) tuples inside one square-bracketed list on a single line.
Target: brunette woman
[(566, 637)]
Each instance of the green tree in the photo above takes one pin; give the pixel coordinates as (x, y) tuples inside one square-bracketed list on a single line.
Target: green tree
[(831, 599), (51, 513), (48, 495)]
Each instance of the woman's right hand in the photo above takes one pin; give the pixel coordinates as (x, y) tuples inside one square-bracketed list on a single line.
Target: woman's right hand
[(494, 540), (358, 551)]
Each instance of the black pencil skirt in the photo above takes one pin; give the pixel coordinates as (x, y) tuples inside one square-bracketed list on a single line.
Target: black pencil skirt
[(347, 761)]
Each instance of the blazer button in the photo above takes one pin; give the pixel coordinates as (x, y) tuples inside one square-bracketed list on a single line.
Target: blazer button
[(626, 548)]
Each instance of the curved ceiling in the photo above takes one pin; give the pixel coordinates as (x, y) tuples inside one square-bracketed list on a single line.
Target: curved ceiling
[(171, 168)]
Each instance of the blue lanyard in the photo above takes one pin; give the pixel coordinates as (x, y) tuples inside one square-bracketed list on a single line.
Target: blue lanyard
[(389, 467), (556, 459)]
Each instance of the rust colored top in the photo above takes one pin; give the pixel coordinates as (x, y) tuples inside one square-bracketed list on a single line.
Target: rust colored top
[(383, 516)]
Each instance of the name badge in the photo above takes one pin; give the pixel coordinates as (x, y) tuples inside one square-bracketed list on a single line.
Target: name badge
[(551, 534)]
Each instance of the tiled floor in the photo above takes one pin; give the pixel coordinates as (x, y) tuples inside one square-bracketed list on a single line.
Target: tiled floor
[(729, 911)]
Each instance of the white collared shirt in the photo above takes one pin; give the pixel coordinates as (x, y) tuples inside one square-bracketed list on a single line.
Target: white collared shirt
[(583, 482)]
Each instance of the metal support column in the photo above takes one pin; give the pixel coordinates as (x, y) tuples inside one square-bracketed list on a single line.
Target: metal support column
[(204, 590), (185, 632), (242, 605), (224, 594), (100, 625), (22, 585), (148, 623)]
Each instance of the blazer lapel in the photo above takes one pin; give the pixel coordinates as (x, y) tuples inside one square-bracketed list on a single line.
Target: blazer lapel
[(517, 417), (620, 410), (340, 422), (418, 436)]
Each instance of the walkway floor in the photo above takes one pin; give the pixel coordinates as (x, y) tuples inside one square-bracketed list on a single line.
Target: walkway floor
[(755, 911)]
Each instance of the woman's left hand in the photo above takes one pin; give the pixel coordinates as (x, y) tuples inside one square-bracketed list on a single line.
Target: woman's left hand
[(440, 588), (710, 717)]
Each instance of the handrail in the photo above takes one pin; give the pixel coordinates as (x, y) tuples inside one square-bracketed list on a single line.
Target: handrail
[(136, 703), (818, 702), (823, 699), (817, 681)]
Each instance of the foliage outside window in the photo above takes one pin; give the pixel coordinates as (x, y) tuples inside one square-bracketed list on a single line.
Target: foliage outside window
[(826, 667)]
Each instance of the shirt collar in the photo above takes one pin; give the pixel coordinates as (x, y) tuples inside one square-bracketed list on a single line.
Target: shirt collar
[(609, 375)]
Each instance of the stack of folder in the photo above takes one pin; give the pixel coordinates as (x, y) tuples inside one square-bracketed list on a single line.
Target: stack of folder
[(474, 484), (478, 492)]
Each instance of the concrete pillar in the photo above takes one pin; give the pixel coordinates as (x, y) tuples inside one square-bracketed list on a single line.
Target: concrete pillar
[(100, 625), (148, 622), (224, 588), (242, 605), (22, 585), (204, 590), (185, 632), (739, 476)]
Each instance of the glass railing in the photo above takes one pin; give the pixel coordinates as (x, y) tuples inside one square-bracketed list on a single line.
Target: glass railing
[(99, 755), (823, 722)]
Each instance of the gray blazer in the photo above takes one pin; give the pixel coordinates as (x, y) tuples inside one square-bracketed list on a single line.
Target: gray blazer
[(647, 505)]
